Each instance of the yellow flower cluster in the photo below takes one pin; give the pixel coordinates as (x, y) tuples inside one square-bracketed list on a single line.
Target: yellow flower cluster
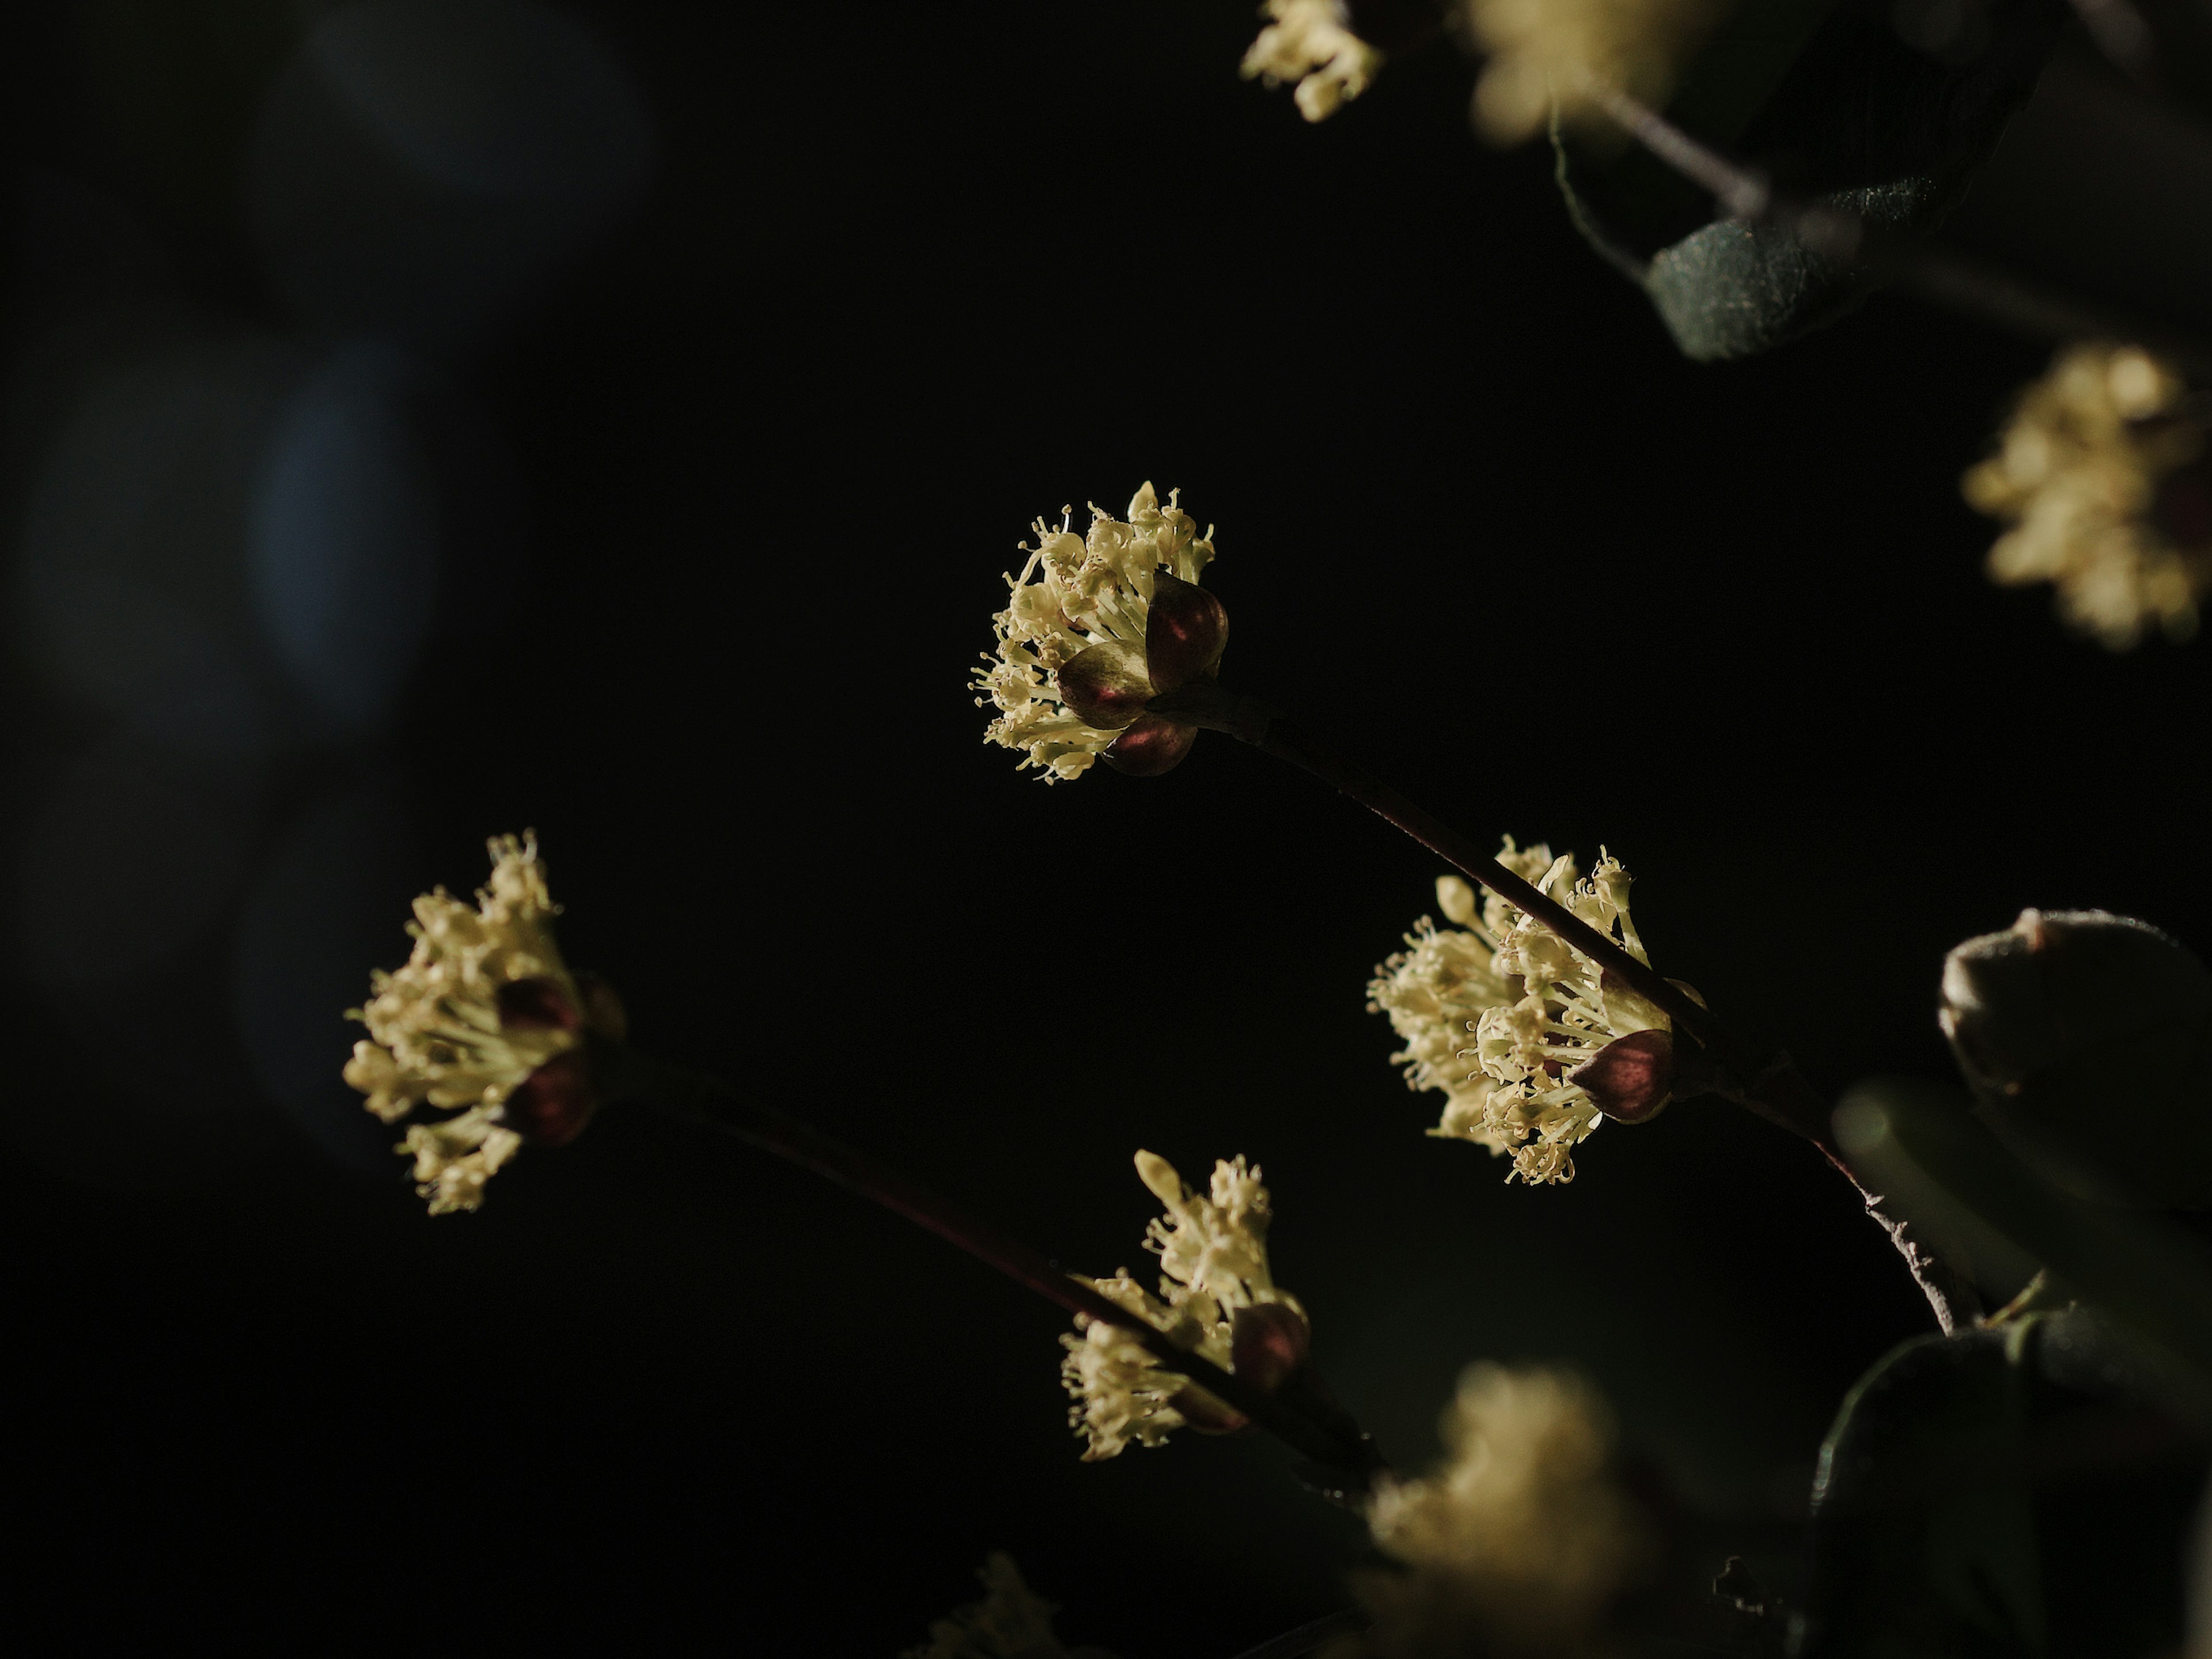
[(1555, 53), (1213, 1248), (1522, 1540), (438, 1035), (1310, 43), (2080, 474), (1536, 1009), (1074, 593)]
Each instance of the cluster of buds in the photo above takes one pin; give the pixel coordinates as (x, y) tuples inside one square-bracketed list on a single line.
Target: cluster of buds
[(1217, 1299), (2105, 478), (1097, 627), (486, 1024), (1558, 1045)]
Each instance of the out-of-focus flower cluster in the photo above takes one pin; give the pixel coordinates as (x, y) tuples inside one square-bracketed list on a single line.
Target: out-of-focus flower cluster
[(1536, 1008), (1310, 44), (1555, 53), (1011, 1621), (1216, 1296), (1074, 593), (483, 1001), (1521, 1542), (2095, 476)]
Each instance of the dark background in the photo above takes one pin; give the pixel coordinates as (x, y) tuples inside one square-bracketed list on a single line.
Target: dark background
[(432, 420)]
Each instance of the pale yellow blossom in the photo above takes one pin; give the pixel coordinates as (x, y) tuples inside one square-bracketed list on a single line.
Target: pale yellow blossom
[(1496, 1012), (2080, 474), (1213, 1248), (1073, 592), (1545, 54), (1566, 1011), (438, 1033), (1523, 1540), (1311, 43)]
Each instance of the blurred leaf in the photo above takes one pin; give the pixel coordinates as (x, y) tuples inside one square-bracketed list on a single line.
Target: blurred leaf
[(1845, 114), (1923, 1536), (2150, 1280)]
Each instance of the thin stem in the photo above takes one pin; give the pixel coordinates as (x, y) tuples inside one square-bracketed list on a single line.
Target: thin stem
[(1310, 1424), (1733, 1068), (1963, 284)]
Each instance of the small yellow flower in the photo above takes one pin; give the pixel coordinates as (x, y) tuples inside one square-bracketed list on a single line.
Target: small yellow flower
[(1548, 54), (1217, 1299), (484, 1005), (1503, 1017), (1436, 990), (2094, 474), (1522, 1540), (1309, 42), (1091, 597)]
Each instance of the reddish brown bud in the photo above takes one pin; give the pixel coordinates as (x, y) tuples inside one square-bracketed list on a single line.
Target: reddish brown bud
[(1184, 632), (1104, 684), (1267, 1343), (536, 1004), (1629, 1077), (1206, 1413), (1150, 747), (550, 1107)]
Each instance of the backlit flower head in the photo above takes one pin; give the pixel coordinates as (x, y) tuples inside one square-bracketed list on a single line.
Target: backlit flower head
[(2100, 475), (1573, 1047), (1311, 43), (483, 1007), (1011, 1621), (1098, 624), (1217, 1298), (1435, 990), (1522, 1034), (1522, 1540), (1548, 53)]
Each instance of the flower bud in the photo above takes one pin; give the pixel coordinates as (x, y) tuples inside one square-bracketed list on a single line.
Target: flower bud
[(1185, 633), (1267, 1341), (1151, 746), (1104, 684), (2069, 1025), (1456, 899), (1630, 1077), (550, 1107)]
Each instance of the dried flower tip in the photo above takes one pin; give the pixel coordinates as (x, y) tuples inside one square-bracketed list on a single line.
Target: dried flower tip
[(1217, 1298), (1075, 662), (2102, 475), (1010, 1622), (1310, 42), (482, 1004), (1522, 1540), (1547, 54)]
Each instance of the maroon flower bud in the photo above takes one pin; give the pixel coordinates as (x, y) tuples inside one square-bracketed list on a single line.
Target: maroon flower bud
[(1151, 746), (1629, 1079), (550, 1107), (536, 1004), (1184, 634), (1105, 685), (1206, 1414), (1266, 1342)]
